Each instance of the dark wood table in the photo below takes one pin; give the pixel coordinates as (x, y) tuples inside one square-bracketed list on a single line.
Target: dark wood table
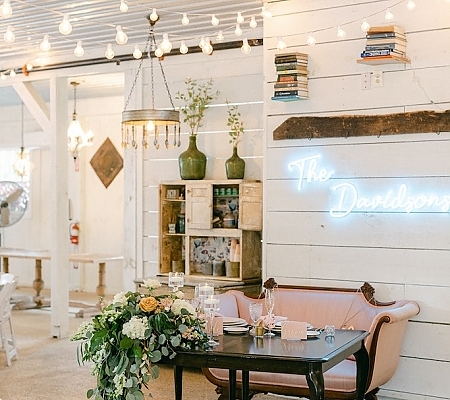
[(310, 357)]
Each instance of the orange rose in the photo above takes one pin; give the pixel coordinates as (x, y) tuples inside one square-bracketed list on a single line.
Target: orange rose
[(148, 304)]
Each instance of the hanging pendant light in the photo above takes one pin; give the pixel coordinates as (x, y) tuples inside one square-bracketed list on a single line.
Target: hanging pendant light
[(23, 165), (150, 121), (77, 138)]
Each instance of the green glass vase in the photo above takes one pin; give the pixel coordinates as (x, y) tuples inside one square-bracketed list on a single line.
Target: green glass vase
[(192, 162), (235, 166)]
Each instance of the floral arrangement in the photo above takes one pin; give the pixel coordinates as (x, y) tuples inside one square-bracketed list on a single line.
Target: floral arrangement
[(235, 124), (196, 99), (131, 334)]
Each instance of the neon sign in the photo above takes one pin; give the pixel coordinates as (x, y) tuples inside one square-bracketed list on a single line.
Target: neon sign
[(350, 200)]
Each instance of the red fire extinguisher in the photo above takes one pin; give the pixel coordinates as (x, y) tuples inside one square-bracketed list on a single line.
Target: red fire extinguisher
[(74, 230)]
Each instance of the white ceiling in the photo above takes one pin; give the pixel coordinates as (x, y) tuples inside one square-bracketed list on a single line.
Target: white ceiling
[(94, 23)]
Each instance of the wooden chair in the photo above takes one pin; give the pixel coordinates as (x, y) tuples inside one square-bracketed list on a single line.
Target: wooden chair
[(7, 340)]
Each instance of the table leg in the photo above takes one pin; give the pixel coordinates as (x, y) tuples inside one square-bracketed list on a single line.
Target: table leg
[(101, 280), (38, 283), (362, 371), (178, 379), (232, 379), (245, 385), (5, 265), (315, 382)]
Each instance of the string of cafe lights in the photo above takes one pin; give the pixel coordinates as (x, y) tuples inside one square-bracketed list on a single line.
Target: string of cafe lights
[(121, 37)]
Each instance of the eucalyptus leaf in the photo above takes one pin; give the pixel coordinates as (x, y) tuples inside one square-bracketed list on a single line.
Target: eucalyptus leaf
[(156, 356)]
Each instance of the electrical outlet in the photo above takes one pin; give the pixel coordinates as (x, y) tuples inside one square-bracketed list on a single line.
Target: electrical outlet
[(377, 79), (365, 81)]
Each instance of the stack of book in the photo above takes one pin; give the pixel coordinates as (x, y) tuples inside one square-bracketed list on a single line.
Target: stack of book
[(292, 77), (385, 44)]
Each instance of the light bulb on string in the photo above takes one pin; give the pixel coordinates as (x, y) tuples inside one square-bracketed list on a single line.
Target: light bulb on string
[(183, 48), (45, 44), (9, 36), (311, 40), (159, 52), (5, 9), (12, 73), (239, 18), (79, 51), (340, 33), (410, 5), (281, 45), (220, 38), (137, 53), (202, 42), (123, 6), (207, 47), (388, 16), (65, 27), (166, 46), (2, 76), (238, 30), (121, 36), (185, 20), (266, 13), (246, 48), (109, 53), (214, 20), (365, 26), (253, 24), (154, 16)]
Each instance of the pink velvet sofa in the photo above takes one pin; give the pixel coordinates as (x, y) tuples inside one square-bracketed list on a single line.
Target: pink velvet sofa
[(344, 308)]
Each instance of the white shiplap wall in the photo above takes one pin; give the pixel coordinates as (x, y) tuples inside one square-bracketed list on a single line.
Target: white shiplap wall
[(401, 255)]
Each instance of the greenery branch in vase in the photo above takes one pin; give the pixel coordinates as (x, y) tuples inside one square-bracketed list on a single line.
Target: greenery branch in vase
[(131, 335), (235, 165), (198, 96)]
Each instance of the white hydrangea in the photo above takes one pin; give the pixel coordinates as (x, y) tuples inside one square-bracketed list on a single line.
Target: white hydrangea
[(178, 304), (119, 382), (135, 328), (151, 284), (120, 297), (179, 294), (83, 329)]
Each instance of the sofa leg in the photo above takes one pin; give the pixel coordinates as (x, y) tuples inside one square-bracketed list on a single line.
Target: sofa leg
[(372, 395)]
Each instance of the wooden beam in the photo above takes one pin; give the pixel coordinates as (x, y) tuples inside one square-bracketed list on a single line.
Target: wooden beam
[(363, 125), (34, 102)]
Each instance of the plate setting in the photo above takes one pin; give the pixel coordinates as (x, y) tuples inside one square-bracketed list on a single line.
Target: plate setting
[(232, 321), (235, 329)]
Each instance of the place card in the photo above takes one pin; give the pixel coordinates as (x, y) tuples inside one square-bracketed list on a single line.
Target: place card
[(293, 330)]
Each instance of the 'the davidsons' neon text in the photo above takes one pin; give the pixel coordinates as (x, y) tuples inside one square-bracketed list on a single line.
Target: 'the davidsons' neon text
[(349, 200)]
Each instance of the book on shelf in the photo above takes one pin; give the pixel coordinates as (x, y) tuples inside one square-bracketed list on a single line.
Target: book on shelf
[(385, 35), (386, 28), (289, 98), (290, 85), (294, 56), (384, 52), (291, 65), (296, 71), (282, 93), (292, 78), (379, 42), (388, 46)]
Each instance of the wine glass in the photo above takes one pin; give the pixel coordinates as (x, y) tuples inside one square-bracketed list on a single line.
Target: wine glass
[(212, 304), (176, 280), (204, 290), (255, 310), (270, 304)]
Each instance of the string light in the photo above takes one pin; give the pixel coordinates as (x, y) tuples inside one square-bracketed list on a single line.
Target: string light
[(202, 42), (253, 24), (137, 53), (121, 36), (159, 52), (365, 26), (220, 38), (246, 49), (12, 73), (214, 20), (340, 32), (2, 76), (65, 27), (410, 5), (183, 48), (311, 41), (281, 45), (266, 13), (388, 16), (239, 18), (79, 51), (185, 20), (5, 9), (45, 44), (238, 30), (9, 36), (123, 6), (154, 16), (207, 47), (109, 53), (166, 46)]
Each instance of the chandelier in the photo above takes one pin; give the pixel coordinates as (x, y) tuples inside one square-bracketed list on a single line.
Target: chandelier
[(150, 121), (22, 166), (77, 138)]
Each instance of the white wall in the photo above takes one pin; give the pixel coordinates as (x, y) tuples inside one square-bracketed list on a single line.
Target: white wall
[(402, 255)]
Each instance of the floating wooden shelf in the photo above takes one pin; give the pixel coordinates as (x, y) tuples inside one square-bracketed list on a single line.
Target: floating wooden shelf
[(384, 60)]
